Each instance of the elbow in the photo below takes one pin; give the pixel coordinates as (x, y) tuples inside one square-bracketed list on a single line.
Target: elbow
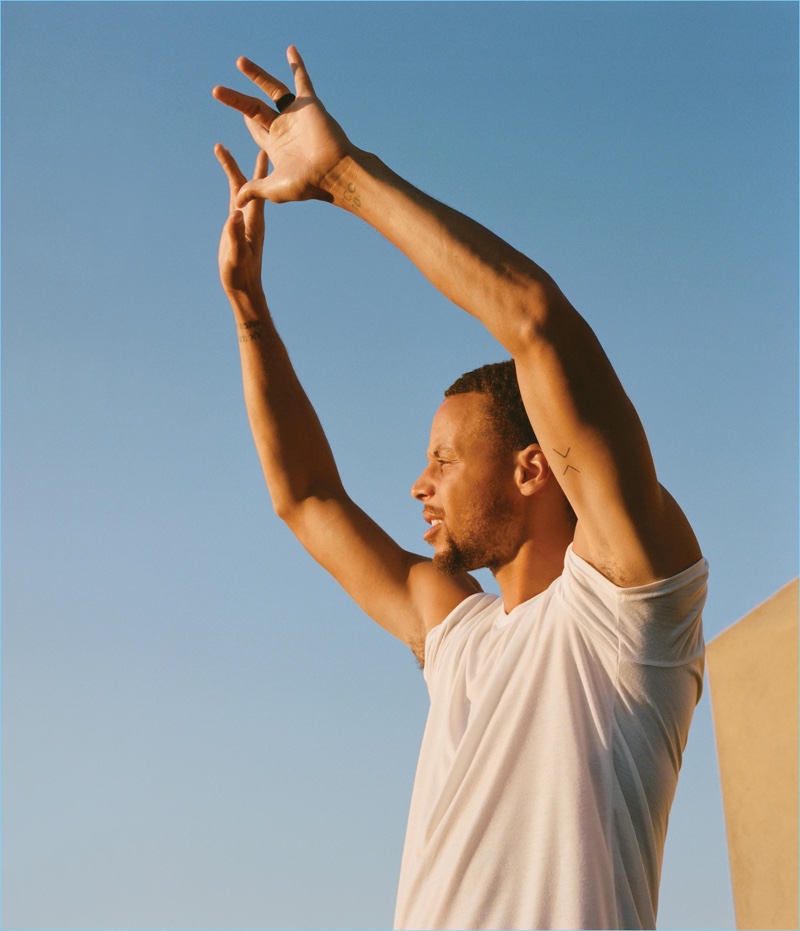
[(286, 501), (295, 507), (536, 308), (289, 508), (545, 318), (284, 509)]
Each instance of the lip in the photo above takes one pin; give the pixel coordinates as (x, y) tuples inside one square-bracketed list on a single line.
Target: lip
[(431, 532)]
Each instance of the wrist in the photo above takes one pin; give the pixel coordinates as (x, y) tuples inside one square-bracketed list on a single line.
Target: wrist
[(247, 303), (341, 182)]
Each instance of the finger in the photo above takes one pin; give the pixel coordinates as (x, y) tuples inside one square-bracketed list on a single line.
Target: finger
[(235, 228), (228, 162), (254, 190), (235, 175), (250, 106), (254, 211), (272, 87), (302, 82)]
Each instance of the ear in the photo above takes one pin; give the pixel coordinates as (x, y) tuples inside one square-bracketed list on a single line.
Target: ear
[(532, 470)]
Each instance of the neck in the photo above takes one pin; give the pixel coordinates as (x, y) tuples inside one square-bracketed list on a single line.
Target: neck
[(534, 567)]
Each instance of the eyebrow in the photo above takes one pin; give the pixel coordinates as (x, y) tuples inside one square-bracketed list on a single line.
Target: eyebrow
[(441, 450)]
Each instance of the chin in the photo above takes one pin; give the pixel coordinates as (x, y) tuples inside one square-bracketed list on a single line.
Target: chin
[(469, 557), (451, 561), (446, 564)]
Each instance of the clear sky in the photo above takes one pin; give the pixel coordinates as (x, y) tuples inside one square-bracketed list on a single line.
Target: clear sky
[(199, 729)]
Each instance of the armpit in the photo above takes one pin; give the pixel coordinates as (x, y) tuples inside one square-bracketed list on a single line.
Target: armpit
[(417, 645)]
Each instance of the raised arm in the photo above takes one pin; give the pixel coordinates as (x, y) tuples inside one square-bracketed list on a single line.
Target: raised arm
[(628, 525), (400, 590)]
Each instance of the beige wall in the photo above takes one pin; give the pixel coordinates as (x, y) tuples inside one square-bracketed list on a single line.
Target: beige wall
[(752, 669)]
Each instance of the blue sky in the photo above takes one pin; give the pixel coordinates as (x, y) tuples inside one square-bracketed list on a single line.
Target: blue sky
[(199, 729)]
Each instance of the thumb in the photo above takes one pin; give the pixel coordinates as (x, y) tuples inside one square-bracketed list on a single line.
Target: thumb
[(258, 189)]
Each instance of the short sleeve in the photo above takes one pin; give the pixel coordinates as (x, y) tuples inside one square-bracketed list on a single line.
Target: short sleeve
[(456, 622), (659, 624)]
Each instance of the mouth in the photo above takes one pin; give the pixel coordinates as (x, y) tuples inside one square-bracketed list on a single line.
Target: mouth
[(435, 524)]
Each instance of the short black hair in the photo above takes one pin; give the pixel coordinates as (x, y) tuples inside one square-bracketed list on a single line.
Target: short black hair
[(498, 380)]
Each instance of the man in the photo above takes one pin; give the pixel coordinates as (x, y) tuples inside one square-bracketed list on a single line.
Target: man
[(559, 710)]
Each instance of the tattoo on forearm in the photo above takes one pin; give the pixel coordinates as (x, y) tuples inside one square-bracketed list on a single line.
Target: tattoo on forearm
[(351, 196), (564, 456), (249, 331), (253, 327)]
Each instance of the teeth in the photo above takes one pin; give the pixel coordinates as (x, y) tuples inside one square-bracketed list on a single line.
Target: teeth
[(435, 521)]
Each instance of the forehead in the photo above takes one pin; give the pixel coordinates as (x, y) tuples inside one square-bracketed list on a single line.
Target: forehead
[(462, 421)]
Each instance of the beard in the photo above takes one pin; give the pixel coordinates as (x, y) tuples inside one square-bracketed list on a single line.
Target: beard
[(482, 541)]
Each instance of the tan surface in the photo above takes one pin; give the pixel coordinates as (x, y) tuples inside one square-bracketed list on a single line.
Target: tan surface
[(752, 670)]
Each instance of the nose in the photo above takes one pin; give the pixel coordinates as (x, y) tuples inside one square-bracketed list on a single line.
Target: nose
[(423, 487)]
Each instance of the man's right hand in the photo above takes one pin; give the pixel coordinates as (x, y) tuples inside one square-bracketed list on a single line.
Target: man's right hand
[(242, 242), (304, 143)]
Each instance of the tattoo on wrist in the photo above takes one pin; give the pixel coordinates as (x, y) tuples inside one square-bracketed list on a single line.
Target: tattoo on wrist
[(249, 331), (351, 196), (564, 456)]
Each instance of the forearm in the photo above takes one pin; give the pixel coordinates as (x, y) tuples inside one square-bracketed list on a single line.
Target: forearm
[(295, 455), (504, 289), (313, 158)]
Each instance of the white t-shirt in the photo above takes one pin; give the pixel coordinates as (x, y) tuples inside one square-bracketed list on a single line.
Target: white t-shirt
[(551, 755)]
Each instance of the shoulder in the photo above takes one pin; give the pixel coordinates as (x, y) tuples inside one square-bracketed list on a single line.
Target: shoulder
[(458, 628), (656, 622)]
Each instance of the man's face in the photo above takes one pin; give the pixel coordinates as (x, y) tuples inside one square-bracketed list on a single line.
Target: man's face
[(467, 489)]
